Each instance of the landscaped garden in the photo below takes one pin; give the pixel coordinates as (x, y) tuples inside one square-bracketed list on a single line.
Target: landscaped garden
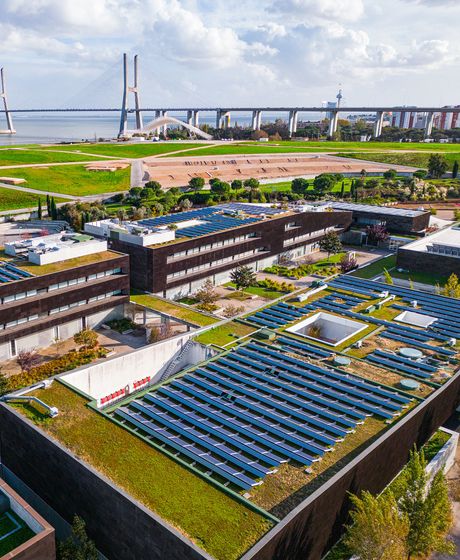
[(225, 334), (13, 532)]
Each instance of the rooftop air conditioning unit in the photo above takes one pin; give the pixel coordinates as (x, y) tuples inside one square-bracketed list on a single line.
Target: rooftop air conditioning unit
[(452, 341), (414, 303), (384, 294), (358, 344)]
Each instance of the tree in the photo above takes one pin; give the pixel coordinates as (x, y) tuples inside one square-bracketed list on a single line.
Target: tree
[(452, 287), (136, 192), (237, 184), (378, 530), (455, 169), (48, 205), (185, 204), (206, 294), (27, 359), (419, 174), (426, 506), (220, 187), (390, 175), (299, 185), (324, 182), (121, 215), (437, 166), (53, 209), (155, 186), (243, 277), (86, 338), (388, 278), (376, 234), (347, 263), (330, 244), (196, 183), (251, 184), (39, 209), (78, 546)]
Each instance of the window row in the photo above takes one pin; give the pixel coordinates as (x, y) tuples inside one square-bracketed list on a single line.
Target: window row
[(305, 236), (61, 309), (60, 285), (213, 245), (216, 263)]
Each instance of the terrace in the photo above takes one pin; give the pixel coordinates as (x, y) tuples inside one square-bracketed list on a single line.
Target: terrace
[(251, 432)]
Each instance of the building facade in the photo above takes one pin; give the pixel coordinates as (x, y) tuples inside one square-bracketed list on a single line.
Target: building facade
[(179, 267), (44, 303)]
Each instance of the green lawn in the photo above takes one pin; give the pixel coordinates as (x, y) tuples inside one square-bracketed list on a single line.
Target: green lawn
[(128, 150), (11, 199), (376, 267), (259, 291), (225, 334), (419, 160), (13, 156), (423, 277), (17, 538), (74, 179), (174, 310), (222, 526)]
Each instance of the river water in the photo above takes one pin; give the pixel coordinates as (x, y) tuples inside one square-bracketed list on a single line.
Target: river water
[(35, 128)]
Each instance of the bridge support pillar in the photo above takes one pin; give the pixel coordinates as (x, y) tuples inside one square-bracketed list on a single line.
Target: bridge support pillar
[(256, 119), (226, 119), (135, 90), (190, 117), (378, 125), (293, 122), (333, 123), (429, 124), (218, 119), (9, 120), (124, 107), (196, 118)]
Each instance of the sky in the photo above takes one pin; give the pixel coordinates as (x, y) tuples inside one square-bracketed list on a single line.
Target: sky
[(60, 53)]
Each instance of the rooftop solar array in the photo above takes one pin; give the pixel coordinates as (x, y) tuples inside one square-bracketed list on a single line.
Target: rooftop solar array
[(213, 223), (446, 310), (242, 415), (10, 273), (377, 209), (179, 217)]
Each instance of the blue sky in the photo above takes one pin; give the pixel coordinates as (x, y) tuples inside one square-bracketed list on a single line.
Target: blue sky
[(227, 52)]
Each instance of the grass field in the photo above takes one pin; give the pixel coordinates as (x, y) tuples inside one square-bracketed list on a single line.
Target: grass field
[(376, 267), (11, 199), (174, 310), (225, 334), (222, 526), (74, 179), (9, 523), (29, 156), (125, 150), (419, 160)]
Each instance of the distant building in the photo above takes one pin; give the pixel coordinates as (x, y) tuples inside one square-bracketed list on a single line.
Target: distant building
[(173, 255), (54, 286), (439, 253)]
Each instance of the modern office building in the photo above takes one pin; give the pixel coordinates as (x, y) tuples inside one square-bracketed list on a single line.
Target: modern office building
[(173, 255), (439, 253), (397, 220), (54, 286)]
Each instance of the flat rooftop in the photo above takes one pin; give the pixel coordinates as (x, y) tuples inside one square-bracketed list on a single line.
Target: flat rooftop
[(445, 242), (55, 248), (377, 209), (268, 417)]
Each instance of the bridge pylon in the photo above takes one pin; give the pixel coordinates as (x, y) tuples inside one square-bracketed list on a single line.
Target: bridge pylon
[(9, 120), (130, 89)]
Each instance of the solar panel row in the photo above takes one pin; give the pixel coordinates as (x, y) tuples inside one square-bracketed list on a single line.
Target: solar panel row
[(242, 415)]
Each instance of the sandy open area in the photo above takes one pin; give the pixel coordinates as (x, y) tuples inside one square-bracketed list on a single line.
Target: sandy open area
[(177, 171)]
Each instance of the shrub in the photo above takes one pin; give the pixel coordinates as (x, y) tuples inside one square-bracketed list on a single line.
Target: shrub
[(232, 310), (122, 325), (27, 359), (208, 307), (69, 361)]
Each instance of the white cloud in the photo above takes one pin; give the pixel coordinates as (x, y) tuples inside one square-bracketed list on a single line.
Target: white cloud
[(339, 10)]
